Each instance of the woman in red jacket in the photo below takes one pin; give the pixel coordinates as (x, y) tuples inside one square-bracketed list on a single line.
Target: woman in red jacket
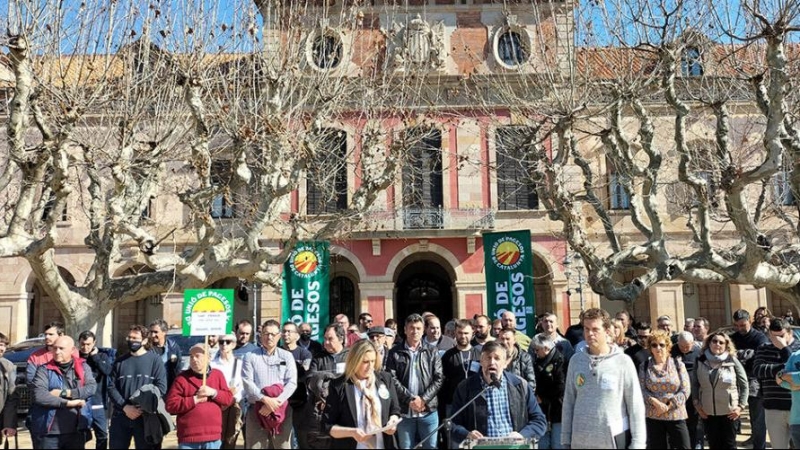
[(199, 407)]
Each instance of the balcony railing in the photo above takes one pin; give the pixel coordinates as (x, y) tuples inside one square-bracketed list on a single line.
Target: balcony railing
[(431, 219)]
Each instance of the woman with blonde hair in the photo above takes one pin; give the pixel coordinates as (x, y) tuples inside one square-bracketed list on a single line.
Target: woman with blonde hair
[(719, 390), (619, 338), (362, 401)]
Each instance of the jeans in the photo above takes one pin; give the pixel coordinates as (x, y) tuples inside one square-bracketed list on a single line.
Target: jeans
[(56, 441), (123, 429), (100, 427), (201, 445), (795, 429), (758, 423), (414, 429), (551, 438)]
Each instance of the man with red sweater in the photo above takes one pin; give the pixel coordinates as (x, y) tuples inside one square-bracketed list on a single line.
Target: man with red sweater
[(198, 406)]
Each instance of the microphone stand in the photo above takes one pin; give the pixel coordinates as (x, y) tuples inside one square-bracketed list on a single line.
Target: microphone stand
[(447, 422)]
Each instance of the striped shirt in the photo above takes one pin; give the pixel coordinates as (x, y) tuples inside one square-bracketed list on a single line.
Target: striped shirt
[(260, 370), (767, 362), (499, 418)]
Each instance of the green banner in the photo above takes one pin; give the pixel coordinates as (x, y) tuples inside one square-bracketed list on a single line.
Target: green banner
[(306, 286), (509, 277), (207, 312)]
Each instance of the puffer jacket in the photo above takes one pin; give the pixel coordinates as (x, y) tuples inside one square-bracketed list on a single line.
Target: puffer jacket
[(718, 395), (430, 377)]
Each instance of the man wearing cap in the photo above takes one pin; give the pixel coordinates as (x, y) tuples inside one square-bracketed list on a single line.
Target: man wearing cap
[(378, 336), (198, 403)]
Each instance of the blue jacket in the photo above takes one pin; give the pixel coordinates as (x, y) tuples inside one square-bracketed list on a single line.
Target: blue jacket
[(47, 409), (526, 416)]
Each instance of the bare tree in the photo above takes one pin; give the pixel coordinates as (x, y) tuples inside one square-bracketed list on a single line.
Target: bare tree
[(678, 114), (214, 112)]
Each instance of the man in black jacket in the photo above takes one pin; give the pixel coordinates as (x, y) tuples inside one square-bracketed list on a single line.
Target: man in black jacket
[(418, 371), (510, 403), (169, 352), (551, 371), (520, 362), (101, 368), (458, 363), (747, 339), (333, 358), (637, 352), (687, 350)]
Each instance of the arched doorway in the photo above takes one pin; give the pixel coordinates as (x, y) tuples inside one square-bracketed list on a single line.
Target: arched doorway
[(542, 291), (344, 293), (421, 286)]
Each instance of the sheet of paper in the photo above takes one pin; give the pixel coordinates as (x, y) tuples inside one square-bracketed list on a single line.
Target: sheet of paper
[(389, 424)]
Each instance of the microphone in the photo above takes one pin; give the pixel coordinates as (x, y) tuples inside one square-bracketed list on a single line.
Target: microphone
[(495, 381)]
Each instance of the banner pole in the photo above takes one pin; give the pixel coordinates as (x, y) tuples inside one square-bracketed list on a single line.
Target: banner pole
[(205, 366)]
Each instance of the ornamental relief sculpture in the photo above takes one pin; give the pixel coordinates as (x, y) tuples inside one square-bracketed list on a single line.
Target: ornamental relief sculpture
[(417, 46)]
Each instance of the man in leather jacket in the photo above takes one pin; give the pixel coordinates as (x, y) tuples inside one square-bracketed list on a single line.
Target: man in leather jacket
[(417, 369), (520, 362)]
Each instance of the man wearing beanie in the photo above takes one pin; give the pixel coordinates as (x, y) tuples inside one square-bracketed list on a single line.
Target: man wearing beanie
[(197, 405)]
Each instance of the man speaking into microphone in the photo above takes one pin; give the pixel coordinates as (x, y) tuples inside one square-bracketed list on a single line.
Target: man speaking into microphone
[(509, 409)]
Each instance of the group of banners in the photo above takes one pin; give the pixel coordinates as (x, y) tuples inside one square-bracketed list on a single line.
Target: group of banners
[(508, 263)]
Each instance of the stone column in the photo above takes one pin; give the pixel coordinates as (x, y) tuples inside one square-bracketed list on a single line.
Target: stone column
[(14, 316), (747, 297), (172, 304), (666, 297), (561, 308)]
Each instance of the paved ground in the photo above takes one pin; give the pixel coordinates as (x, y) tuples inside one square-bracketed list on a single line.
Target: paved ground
[(170, 441)]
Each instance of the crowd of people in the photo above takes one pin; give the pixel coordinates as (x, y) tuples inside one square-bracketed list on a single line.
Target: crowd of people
[(606, 382)]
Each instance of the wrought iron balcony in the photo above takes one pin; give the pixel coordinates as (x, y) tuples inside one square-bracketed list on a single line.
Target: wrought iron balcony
[(432, 219)]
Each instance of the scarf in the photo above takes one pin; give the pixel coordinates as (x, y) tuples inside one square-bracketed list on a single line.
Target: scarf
[(369, 408), (715, 359)]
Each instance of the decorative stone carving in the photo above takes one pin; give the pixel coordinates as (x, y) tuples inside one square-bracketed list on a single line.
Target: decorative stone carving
[(417, 46)]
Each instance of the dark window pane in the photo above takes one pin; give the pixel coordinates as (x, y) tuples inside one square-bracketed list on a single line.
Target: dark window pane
[(516, 189)]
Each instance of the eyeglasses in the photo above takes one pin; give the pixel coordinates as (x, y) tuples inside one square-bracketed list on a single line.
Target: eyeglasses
[(658, 345), (270, 335), (367, 320), (226, 342), (718, 341)]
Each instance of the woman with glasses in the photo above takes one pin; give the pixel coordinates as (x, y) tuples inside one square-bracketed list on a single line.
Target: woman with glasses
[(362, 402), (666, 388), (719, 390), (231, 367)]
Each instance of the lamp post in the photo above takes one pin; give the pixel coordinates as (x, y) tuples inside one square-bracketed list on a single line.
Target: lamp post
[(574, 261)]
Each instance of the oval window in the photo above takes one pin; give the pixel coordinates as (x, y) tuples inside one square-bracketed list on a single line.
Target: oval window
[(511, 50)]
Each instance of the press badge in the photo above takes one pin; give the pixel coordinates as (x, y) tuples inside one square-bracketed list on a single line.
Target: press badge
[(607, 383)]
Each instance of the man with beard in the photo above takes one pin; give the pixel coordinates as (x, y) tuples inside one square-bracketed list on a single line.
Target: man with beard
[(306, 342), (458, 363), (168, 351), (510, 408), (520, 362), (100, 364), (60, 391), (244, 337), (482, 327)]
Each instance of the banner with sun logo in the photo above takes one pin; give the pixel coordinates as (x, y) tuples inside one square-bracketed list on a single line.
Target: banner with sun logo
[(306, 286), (509, 277), (207, 312)]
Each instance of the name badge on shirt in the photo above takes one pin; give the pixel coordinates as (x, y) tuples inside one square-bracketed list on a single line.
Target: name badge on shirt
[(383, 392), (474, 366), (727, 377), (340, 367), (607, 383)]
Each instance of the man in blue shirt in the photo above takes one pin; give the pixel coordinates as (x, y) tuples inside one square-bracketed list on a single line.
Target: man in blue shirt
[(510, 408)]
